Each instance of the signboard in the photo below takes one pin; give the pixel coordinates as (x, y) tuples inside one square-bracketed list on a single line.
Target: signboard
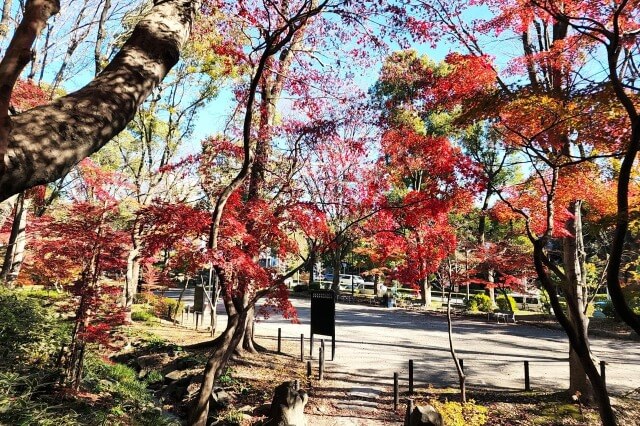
[(323, 317), (199, 299)]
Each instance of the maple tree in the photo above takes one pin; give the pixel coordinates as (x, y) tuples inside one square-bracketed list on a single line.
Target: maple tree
[(552, 92), (614, 29), (89, 220)]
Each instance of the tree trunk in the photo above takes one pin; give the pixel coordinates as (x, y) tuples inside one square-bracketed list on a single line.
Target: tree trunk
[(425, 292), (461, 376), (131, 280), (492, 289), (6, 208), (335, 285), (100, 36), (574, 265), (223, 347), (6, 15), (576, 339), (17, 241), (45, 142), (248, 344)]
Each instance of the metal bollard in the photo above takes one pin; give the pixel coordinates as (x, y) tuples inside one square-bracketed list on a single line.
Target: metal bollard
[(301, 347), (527, 384), (410, 377), (603, 373), (279, 340), (396, 392), (321, 363)]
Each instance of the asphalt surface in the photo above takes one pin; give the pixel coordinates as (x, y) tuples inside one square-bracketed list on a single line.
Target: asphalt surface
[(374, 342)]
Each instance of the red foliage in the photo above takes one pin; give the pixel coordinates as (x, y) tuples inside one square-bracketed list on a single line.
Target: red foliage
[(27, 95)]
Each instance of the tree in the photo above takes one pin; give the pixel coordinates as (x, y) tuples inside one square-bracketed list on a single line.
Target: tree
[(428, 172), (560, 108), (613, 27), (239, 302), (98, 246)]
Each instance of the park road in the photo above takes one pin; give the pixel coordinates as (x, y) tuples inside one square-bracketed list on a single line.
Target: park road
[(374, 342)]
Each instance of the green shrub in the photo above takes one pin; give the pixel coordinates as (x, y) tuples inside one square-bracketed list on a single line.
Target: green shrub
[(480, 302), (164, 307), (458, 414), (608, 310), (161, 307), (142, 315), (234, 417), (118, 380), (506, 305), (29, 332)]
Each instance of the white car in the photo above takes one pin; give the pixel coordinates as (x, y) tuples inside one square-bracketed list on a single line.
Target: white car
[(346, 281)]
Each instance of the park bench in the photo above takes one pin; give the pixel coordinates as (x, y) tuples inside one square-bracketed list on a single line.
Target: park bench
[(502, 316)]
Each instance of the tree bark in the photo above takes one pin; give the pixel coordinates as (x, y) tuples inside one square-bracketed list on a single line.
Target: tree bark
[(6, 15), (576, 339), (6, 208), (131, 280), (17, 242), (425, 291), (45, 142), (574, 265), (17, 56), (223, 347), (100, 36)]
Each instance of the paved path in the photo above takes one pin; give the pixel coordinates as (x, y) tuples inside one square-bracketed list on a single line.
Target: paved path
[(373, 343)]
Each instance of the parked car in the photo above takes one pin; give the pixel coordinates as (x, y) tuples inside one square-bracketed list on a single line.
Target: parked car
[(346, 281)]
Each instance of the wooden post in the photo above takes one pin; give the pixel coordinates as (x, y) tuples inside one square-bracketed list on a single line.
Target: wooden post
[(396, 392), (308, 369), (279, 340), (301, 347), (527, 384), (197, 319), (296, 384), (462, 364), (320, 363), (603, 373), (410, 377), (182, 317)]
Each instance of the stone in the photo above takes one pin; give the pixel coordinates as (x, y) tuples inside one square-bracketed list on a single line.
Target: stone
[(425, 415), (287, 406), (175, 376), (185, 363), (221, 398), (146, 363)]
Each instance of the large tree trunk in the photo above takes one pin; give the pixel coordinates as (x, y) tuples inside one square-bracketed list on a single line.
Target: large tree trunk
[(45, 142), (6, 208), (576, 339), (17, 241), (248, 344), (223, 347), (6, 15), (492, 287), (131, 281), (425, 292), (574, 265)]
